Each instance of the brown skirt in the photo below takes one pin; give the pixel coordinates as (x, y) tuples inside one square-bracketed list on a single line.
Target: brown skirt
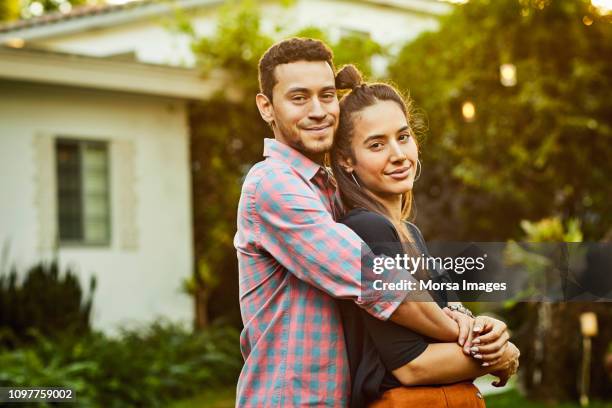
[(460, 395)]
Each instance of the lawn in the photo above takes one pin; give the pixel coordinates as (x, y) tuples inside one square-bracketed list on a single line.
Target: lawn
[(512, 399), (221, 398), (224, 398)]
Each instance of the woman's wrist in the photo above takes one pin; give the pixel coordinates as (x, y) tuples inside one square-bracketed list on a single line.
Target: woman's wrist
[(458, 307)]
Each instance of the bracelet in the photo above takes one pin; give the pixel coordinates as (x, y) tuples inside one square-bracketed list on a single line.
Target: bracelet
[(461, 309)]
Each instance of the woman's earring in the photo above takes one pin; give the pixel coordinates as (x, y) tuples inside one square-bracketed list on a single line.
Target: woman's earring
[(354, 179), (418, 171)]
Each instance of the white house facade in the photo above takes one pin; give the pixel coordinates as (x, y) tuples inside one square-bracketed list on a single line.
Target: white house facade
[(94, 168)]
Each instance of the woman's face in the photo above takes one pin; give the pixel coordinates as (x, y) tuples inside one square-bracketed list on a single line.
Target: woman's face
[(385, 153)]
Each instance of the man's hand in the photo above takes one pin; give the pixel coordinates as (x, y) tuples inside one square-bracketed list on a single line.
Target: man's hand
[(465, 324), (508, 364), (487, 340)]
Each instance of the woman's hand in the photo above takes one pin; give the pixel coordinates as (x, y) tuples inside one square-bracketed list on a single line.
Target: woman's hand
[(488, 340), (465, 323)]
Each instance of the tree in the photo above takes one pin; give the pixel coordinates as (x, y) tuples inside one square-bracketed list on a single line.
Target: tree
[(549, 334), (14, 9), (532, 150), (9, 10)]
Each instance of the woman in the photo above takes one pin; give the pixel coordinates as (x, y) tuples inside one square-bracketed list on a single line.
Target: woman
[(375, 160)]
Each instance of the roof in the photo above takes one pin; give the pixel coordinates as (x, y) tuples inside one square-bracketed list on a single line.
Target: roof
[(77, 12), (96, 16), (64, 69)]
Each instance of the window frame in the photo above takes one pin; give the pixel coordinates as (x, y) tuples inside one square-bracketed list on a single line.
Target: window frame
[(81, 144)]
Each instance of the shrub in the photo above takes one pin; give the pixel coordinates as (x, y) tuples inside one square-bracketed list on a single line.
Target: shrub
[(142, 367), (45, 301)]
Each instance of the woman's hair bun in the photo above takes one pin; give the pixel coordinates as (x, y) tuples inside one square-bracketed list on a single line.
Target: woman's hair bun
[(348, 77)]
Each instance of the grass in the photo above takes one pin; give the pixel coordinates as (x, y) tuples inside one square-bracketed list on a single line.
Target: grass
[(512, 399), (225, 398), (221, 398)]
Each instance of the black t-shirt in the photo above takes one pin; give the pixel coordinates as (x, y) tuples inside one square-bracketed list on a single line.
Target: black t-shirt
[(377, 347)]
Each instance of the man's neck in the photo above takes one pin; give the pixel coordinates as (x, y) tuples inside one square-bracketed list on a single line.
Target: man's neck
[(318, 158)]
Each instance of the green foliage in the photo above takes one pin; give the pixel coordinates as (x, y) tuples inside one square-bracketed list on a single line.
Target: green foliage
[(45, 301), (236, 45), (536, 261), (46, 366), (533, 150), (146, 367), (34, 8), (353, 48), (9, 10), (552, 230)]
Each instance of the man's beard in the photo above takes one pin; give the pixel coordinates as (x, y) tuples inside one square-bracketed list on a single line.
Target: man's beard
[(293, 139)]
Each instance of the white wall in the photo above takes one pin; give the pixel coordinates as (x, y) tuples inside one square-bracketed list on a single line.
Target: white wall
[(139, 275)]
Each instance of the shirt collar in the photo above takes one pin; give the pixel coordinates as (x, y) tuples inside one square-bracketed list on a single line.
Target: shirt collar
[(280, 151)]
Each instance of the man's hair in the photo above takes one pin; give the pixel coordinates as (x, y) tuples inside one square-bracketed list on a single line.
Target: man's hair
[(287, 51)]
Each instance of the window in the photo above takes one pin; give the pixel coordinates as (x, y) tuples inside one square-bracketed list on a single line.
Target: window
[(83, 192)]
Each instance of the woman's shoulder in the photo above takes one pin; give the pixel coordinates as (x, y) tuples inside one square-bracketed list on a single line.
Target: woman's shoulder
[(361, 216), (370, 225), (412, 227)]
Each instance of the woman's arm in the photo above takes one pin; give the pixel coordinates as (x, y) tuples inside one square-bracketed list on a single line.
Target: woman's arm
[(445, 363), (426, 318)]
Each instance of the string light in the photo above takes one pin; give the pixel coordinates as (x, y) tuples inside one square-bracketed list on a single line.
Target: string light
[(468, 110), (507, 73)]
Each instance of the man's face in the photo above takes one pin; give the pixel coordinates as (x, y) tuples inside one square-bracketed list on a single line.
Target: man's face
[(305, 106)]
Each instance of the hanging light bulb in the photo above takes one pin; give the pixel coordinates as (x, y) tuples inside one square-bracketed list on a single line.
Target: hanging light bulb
[(507, 74), (468, 110)]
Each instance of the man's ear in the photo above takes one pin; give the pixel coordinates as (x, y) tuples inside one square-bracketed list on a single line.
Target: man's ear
[(265, 108)]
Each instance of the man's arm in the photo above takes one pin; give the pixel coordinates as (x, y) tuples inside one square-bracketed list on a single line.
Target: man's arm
[(295, 228)]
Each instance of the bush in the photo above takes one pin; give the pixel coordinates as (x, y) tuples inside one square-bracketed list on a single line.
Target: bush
[(146, 367), (46, 302)]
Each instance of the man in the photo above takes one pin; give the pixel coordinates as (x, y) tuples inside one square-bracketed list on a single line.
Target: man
[(293, 257)]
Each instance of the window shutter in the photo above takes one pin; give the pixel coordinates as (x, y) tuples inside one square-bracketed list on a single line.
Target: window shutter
[(45, 191), (123, 165)]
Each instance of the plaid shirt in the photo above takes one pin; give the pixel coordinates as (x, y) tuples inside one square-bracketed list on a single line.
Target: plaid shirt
[(293, 257)]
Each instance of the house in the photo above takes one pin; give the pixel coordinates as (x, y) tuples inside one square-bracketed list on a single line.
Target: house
[(94, 157), (142, 30), (94, 137)]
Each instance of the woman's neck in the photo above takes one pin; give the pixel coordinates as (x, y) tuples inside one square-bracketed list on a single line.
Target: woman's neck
[(393, 205)]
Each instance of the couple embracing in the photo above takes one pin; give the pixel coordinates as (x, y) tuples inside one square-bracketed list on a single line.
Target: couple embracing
[(310, 338)]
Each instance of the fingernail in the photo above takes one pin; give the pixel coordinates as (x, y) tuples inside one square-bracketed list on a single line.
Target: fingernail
[(478, 356), (485, 364), (476, 341), (461, 342), (477, 328), (474, 349)]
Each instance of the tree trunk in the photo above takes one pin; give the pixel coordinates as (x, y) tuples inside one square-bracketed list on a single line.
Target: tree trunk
[(201, 308), (551, 350)]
